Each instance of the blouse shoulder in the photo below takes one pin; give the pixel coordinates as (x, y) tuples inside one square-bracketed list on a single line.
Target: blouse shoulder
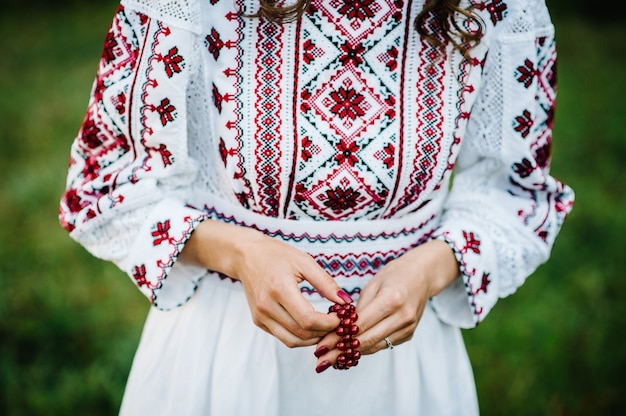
[(515, 19), (184, 14)]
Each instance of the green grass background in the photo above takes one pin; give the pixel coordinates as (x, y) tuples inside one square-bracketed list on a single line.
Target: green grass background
[(69, 323)]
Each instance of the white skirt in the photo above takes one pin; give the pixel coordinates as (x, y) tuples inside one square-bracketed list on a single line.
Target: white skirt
[(208, 358)]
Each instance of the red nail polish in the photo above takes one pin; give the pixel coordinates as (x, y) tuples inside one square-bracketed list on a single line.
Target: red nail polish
[(344, 296), (321, 351), (323, 366)]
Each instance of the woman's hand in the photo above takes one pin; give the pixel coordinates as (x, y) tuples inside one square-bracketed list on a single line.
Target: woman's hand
[(269, 271), (391, 304)]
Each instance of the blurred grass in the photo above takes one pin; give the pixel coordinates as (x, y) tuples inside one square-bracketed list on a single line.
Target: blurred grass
[(557, 347), (70, 323)]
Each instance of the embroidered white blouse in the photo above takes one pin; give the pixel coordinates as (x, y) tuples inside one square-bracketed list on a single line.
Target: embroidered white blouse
[(338, 129)]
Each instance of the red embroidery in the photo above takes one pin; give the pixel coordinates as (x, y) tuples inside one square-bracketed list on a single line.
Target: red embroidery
[(140, 276), (110, 44), (166, 110), (214, 43), (308, 54), (358, 9), (268, 120), (524, 123), (347, 103), (166, 155), (340, 200), (161, 234), (471, 243), (526, 73), (484, 284), (347, 152), (173, 62), (496, 8), (523, 168), (352, 54)]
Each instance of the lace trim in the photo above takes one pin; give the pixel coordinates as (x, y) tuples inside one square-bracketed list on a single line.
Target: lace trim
[(184, 14)]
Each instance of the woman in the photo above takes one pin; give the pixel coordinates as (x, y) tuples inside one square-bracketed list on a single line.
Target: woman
[(248, 165)]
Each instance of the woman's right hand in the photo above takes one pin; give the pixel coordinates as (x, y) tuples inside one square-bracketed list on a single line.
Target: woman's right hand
[(269, 271)]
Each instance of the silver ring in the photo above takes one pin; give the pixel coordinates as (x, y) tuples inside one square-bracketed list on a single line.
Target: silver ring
[(389, 344)]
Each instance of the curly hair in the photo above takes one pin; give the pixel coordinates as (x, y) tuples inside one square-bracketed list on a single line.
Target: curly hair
[(438, 21)]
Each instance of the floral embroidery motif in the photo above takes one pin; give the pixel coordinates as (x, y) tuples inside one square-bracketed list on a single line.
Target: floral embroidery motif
[(358, 9), (390, 58), (340, 200), (217, 98), (352, 54), (347, 103), (524, 123), (472, 243), (110, 44), (347, 152), (523, 168), (214, 43), (387, 154), (166, 110), (526, 73), (311, 51), (161, 233), (496, 8), (173, 62), (484, 284), (120, 102), (139, 275), (308, 148)]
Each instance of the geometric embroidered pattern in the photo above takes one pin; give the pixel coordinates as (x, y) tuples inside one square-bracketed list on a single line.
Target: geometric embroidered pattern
[(267, 152)]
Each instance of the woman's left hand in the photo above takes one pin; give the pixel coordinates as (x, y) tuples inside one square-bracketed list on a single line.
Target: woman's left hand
[(391, 304)]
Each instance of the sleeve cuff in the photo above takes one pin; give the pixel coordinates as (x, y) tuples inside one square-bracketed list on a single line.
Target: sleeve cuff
[(466, 301), (151, 262)]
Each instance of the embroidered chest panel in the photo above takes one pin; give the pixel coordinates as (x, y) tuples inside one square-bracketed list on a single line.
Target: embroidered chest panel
[(338, 116)]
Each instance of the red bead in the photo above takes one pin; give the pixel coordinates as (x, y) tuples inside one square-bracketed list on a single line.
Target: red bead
[(349, 356)]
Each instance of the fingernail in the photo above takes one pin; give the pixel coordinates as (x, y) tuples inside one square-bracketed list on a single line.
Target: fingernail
[(344, 296), (321, 351), (323, 366)]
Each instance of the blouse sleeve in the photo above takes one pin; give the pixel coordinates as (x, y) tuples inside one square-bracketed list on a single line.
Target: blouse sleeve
[(504, 210), (127, 184)]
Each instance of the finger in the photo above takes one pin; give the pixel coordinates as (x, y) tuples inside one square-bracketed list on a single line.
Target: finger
[(377, 320), (294, 313), (374, 340), (304, 316), (287, 337), (327, 360), (324, 283), (368, 294), (372, 312), (326, 344), (268, 312)]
